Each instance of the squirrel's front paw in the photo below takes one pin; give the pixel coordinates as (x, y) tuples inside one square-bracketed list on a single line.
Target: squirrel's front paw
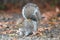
[(22, 32)]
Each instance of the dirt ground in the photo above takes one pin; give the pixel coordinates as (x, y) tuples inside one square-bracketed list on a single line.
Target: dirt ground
[(46, 31)]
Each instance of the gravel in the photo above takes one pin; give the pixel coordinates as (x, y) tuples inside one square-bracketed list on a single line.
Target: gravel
[(6, 37), (53, 34)]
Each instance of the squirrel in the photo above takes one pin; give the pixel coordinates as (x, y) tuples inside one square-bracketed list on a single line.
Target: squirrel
[(30, 11)]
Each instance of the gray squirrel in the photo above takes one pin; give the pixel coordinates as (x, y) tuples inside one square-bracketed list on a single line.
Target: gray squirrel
[(30, 11)]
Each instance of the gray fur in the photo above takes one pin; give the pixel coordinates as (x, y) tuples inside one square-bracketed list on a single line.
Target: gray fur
[(30, 11)]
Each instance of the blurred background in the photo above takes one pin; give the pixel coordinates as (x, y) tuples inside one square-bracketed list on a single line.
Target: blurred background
[(17, 5)]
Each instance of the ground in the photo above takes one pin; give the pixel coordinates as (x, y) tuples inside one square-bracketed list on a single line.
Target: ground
[(48, 30)]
